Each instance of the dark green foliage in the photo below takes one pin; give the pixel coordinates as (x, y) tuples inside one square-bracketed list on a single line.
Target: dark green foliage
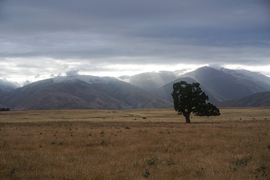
[(189, 98)]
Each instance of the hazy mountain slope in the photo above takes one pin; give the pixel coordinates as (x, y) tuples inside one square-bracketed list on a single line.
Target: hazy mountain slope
[(46, 95), (104, 93), (6, 86), (166, 90), (2, 92), (133, 96), (228, 85), (150, 80), (261, 99), (245, 74)]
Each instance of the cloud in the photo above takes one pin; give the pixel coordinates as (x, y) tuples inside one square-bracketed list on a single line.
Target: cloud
[(72, 72), (52, 37), (216, 66), (26, 83)]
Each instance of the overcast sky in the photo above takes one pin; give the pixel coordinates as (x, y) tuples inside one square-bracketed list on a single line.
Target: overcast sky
[(42, 39)]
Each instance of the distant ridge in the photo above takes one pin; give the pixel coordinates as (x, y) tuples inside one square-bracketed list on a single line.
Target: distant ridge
[(150, 80), (261, 99)]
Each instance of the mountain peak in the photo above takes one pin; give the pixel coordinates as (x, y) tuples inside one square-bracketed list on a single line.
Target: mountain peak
[(85, 78)]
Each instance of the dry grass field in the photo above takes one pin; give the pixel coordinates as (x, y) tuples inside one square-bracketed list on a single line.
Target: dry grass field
[(134, 144)]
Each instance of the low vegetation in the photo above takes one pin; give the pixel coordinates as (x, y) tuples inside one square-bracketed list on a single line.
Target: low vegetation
[(4, 109), (134, 144)]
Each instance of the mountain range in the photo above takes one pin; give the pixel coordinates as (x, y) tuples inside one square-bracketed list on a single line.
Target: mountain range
[(146, 90), (88, 92)]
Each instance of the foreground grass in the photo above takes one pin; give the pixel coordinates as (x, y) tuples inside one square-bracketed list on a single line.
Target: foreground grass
[(135, 149)]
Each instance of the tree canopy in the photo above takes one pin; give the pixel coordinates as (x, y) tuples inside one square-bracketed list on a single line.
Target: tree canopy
[(189, 98)]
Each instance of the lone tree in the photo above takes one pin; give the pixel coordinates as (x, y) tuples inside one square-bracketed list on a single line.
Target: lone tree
[(189, 98)]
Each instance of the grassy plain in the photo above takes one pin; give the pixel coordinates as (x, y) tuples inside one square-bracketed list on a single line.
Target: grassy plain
[(134, 144)]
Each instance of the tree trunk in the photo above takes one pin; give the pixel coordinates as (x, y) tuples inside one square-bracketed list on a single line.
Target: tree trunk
[(187, 116)]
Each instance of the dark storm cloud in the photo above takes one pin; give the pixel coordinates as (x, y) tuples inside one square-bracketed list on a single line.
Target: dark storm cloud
[(93, 33)]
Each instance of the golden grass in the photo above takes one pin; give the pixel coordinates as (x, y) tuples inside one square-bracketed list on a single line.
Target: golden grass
[(93, 144), (151, 115)]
